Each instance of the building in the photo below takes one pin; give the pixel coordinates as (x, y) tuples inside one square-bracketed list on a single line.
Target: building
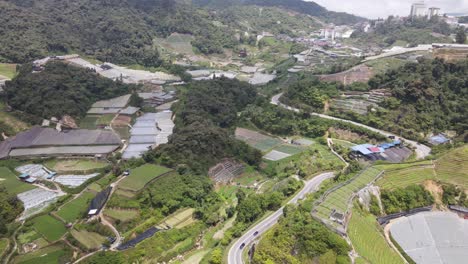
[(418, 9), (438, 140), (48, 142), (433, 12)]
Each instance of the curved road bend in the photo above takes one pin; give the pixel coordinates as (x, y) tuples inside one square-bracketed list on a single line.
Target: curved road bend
[(235, 253), (422, 151)]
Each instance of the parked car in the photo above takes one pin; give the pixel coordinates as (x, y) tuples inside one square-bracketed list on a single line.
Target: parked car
[(242, 245), (126, 173)]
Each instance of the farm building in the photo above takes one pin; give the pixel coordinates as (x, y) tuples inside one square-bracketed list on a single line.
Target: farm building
[(130, 111), (111, 106), (149, 130), (46, 142), (392, 151), (157, 98)]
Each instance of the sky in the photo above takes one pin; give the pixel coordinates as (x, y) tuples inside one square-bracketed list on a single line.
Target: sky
[(384, 8)]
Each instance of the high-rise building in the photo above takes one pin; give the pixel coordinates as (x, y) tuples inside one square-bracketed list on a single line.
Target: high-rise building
[(433, 11), (418, 9)]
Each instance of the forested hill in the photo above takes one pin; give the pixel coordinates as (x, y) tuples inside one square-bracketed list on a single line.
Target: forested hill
[(300, 6), (123, 31), (119, 31)]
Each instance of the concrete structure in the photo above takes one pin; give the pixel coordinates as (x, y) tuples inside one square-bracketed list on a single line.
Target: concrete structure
[(418, 9), (433, 11)]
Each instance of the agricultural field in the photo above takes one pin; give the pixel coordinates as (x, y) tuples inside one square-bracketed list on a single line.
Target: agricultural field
[(453, 167), (289, 149), (13, 122), (178, 43), (383, 65), (121, 214), (75, 209), (89, 122), (343, 143), (9, 180), (403, 177), (104, 120), (257, 140), (124, 132), (141, 176), (369, 241), (51, 228), (52, 254), (180, 219), (8, 70), (339, 199), (75, 165), (90, 240)]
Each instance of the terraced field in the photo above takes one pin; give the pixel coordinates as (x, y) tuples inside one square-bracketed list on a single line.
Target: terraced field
[(75, 209), (339, 199), (403, 175), (369, 241), (453, 167), (90, 240), (140, 176), (51, 228)]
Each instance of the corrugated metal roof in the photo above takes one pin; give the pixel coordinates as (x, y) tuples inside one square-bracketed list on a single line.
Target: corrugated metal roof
[(363, 149)]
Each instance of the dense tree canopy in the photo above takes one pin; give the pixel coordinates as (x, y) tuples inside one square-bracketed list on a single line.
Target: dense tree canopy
[(60, 89), (10, 208), (404, 199), (205, 118)]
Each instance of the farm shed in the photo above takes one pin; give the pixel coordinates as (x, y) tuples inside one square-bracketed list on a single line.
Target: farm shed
[(40, 141)]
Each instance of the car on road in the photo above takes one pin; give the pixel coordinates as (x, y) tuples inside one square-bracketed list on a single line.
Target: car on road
[(256, 233), (242, 246), (126, 173)]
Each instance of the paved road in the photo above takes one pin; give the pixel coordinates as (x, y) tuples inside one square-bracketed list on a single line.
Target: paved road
[(235, 253), (422, 151)]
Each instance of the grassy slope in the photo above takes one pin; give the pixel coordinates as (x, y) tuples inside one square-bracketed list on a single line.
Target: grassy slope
[(368, 240), (12, 183), (48, 255), (90, 240), (73, 210), (122, 215), (51, 228), (453, 167), (8, 70), (140, 176)]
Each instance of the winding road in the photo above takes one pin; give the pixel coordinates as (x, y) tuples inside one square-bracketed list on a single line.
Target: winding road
[(422, 151), (235, 252)]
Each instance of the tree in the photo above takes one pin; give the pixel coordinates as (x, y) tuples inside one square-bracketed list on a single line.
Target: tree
[(135, 100), (461, 35), (216, 256)]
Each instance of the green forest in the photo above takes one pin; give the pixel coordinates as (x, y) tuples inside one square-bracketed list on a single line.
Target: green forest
[(206, 116), (413, 32), (10, 208), (299, 238), (60, 89)]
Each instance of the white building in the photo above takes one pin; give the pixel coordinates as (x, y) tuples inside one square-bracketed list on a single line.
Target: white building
[(433, 11), (418, 9)]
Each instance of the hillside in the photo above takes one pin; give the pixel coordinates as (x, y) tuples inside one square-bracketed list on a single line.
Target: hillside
[(308, 8), (116, 31), (124, 32)]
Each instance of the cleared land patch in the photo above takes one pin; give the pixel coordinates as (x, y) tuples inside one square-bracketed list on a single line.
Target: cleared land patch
[(368, 240), (75, 165), (47, 255), (179, 43), (90, 240), (12, 183), (76, 208), (8, 70), (257, 140), (180, 219), (51, 228), (453, 167), (141, 176), (121, 214)]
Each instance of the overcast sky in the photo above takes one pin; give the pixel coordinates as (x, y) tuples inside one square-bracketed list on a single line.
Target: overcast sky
[(384, 8)]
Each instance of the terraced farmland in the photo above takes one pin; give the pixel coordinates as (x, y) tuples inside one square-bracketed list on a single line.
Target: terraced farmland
[(369, 241), (339, 199), (453, 167), (76, 208), (405, 177)]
